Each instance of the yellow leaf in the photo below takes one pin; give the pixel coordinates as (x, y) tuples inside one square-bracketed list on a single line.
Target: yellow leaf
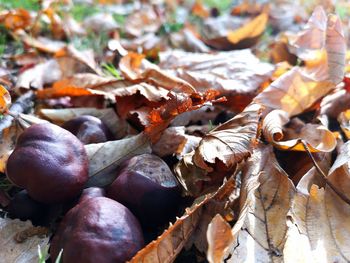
[(251, 30), (5, 99)]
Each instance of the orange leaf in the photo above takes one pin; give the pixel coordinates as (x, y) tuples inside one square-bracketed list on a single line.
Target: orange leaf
[(5, 98), (17, 19), (57, 92)]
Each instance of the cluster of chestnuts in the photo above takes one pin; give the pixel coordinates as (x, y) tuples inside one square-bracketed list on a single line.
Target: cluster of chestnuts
[(105, 225)]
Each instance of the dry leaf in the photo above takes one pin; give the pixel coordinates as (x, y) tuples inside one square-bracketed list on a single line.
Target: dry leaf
[(105, 157), (228, 144), (317, 137), (293, 92), (5, 99), (219, 237), (344, 121), (231, 142), (117, 126), (168, 245), (143, 20), (42, 44), (314, 207), (243, 37), (230, 73), (260, 231), (39, 75), (12, 251), (7, 144), (333, 104), (16, 19), (174, 141)]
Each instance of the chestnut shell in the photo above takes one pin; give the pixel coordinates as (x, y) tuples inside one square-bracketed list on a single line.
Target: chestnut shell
[(88, 129), (97, 230), (49, 162)]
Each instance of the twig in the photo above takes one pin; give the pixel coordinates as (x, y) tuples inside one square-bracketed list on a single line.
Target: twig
[(324, 176)]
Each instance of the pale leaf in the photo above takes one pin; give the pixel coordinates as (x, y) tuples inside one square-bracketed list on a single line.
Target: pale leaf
[(294, 92), (105, 157), (230, 73), (12, 251), (260, 231), (314, 207)]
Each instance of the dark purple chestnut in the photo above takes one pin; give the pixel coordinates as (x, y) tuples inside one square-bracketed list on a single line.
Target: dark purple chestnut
[(88, 129), (23, 207), (49, 162), (97, 230), (148, 188)]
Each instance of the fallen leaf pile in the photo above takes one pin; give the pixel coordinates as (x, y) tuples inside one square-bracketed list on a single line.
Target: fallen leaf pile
[(248, 104)]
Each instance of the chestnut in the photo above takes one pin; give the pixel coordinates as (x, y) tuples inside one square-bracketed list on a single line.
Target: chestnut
[(91, 192), (88, 129), (49, 162), (148, 188), (23, 207), (97, 230)]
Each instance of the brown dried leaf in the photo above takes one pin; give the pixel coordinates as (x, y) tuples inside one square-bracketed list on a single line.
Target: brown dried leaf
[(168, 245), (41, 74), (105, 157), (219, 237), (5, 99), (174, 141), (293, 92), (314, 207), (230, 73), (344, 121), (317, 137), (260, 231), (11, 250), (222, 148), (230, 142), (7, 144), (142, 21)]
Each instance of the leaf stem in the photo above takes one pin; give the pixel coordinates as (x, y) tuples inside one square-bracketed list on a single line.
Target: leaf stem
[(324, 176)]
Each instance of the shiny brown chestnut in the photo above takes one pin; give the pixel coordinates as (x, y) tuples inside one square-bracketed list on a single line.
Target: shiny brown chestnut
[(148, 188), (88, 129), (98, 229), (49, 162), (23, 207)]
